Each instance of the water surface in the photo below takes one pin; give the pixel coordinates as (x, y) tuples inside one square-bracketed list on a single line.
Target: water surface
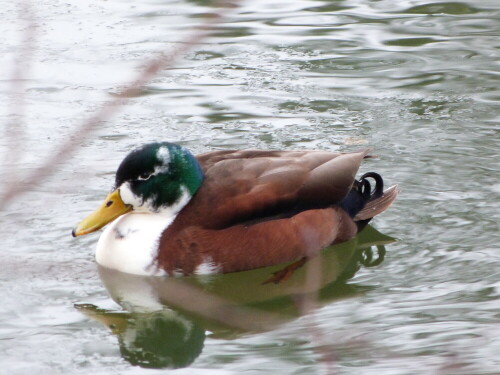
[(415, 80)]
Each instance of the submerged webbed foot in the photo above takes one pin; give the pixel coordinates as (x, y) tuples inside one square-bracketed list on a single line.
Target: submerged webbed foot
[(285, 273)]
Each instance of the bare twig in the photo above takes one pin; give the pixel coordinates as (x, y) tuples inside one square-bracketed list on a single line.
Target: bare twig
[(307, 306), (153, 67), (14, 130)]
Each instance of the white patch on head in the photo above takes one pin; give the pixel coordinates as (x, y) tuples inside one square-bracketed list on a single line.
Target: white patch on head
[(207, 267), (163, 154), (128, 197), (130, 243)]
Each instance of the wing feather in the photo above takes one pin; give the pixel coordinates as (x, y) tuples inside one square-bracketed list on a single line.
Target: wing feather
[(243, 186)]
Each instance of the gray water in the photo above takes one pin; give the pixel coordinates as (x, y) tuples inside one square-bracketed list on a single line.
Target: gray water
[(416, 81)]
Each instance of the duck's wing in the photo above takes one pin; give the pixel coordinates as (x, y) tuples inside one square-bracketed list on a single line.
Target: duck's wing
[(243, 186), (209, 159)]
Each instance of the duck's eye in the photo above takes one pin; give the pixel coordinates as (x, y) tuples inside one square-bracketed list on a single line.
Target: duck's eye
[(144, 176)]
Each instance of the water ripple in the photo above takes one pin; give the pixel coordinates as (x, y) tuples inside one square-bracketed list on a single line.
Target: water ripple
[(415, 80)]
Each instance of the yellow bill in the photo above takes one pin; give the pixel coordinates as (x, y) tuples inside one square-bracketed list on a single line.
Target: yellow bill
[(110, 209)]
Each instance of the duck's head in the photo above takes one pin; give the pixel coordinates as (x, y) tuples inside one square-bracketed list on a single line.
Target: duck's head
[(158, 178)]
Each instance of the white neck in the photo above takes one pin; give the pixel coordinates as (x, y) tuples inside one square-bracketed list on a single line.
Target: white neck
[(130, 243)]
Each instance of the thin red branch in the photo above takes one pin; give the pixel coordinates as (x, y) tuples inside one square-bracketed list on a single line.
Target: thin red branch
[(14, 130)]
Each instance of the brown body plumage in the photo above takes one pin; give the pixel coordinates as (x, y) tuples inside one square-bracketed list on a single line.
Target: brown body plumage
[(259, 208)]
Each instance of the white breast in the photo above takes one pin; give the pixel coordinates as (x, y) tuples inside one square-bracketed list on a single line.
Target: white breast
[(130, 243)]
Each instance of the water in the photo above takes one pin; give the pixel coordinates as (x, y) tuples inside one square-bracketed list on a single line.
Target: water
[(415, 80)]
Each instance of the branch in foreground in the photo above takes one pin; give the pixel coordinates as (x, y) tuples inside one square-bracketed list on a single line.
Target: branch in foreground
[(164, 61), (14, 129)]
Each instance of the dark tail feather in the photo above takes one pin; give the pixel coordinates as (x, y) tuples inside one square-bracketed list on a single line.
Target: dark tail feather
[(362, 203), (361, 193)]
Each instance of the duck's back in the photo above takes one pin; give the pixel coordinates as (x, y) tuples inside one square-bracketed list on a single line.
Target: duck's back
[(250, 185)]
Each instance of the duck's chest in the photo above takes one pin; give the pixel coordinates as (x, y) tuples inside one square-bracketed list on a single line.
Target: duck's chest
[(130, 243)]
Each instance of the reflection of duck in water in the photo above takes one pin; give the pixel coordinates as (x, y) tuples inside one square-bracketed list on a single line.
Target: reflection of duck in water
[(157, 339), (166, 319), (227, 211)]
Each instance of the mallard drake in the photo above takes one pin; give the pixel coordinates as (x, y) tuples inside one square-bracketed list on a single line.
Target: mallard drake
[(173, 213)]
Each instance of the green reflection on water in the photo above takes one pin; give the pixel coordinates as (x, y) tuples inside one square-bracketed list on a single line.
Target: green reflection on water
[(411, 42), (160, 327), (443, 8)]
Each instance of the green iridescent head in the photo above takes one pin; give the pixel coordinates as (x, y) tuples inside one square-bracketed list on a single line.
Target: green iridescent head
[(157, 176)]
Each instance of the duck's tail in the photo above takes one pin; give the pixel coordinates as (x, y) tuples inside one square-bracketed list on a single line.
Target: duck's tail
[(362, 203)]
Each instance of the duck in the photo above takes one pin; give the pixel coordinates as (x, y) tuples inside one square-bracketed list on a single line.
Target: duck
[(171, 213)]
